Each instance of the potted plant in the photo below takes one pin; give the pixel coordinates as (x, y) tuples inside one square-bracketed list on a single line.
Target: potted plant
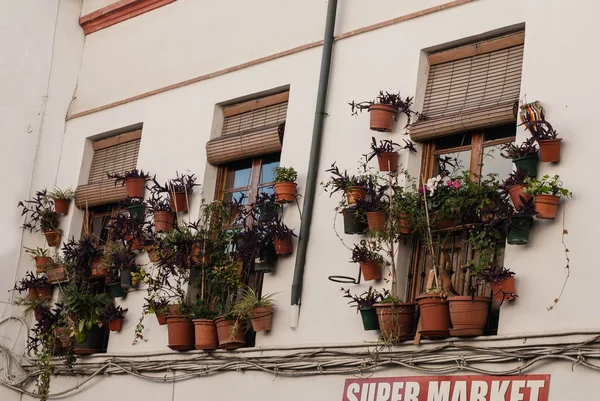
[(282, 237), (113, 317), (353, 186), (547, 192), (515, 185), (365, 254), (55, 271), (135, 206), (547, 138), (180, 328), (524, 156), (179, 189), (62, 199), (285, 184), (40, 215), (374, 205), (384, 110), (396, 319), (134, 181), (160, 208), (205, 330), (225, 284), (519, 222), (502, 281), (257, 308), (256, 247), (387, 153), (41, 258), (468, 314), (36, 287), (434, 310), (159, 307), (364, 303), (36, 306)]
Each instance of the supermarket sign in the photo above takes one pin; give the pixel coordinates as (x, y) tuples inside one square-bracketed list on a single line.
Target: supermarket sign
[(449, 388)]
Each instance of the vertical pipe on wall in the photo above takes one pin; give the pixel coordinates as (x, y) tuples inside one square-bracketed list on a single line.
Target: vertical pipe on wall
[(313, 163)]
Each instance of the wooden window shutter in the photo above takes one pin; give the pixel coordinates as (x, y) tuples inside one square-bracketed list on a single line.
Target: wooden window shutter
[(478, 91), (112, 155), (250, 129)]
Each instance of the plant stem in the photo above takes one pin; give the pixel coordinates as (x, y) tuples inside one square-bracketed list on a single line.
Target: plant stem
[(429, 236)]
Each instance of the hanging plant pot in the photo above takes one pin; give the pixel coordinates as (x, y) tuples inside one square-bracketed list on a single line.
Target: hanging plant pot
[(376, 220), (403, 225), (382, 117), (56, 275), (115, 325), (546, 206), (468, 316), (353, 222), (163, 221), (517, 233), (53, 237), (435, 316), (261, 318), (42, 263), (153, 254), (205, 334), (396, 321), (199, 256), (285, 191), (369, 319), (529, 164), (230, 333), (550, 150), (116, 291), (355, 193), (388, 161), (181, 332), (267, 211), (32, 293), (137, 210), (61, 206), (161, 317), (135, 187), (97, 270), (283, 246), (44, 292), (266, 261), (516, 193), (93, 343), (371, 270), (179, 201), (504, 290)]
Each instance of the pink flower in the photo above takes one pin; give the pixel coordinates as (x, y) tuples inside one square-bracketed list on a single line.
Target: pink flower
[(456, 184)]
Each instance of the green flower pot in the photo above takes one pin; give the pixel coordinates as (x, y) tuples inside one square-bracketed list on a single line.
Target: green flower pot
[(353, 223), (137, 210), (529, 164), (267, 260), (94, 341), (518, 231), (117, 291), (369, 319)]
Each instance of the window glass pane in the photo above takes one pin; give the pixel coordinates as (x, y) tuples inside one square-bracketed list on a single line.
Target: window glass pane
[(452, 164), (269, 164), (503, 131), (236, 196), (453, 141), (493, 162), (238, 174)]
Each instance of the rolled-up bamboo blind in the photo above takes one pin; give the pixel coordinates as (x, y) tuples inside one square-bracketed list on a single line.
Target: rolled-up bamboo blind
[(472, 92)]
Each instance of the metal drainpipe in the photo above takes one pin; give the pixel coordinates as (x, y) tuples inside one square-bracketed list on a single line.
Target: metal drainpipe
[(313, 163)]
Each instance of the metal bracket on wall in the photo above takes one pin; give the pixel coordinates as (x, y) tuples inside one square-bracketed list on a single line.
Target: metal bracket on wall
[(346, 279)]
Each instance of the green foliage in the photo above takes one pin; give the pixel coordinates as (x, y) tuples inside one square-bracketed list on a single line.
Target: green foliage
[(62, 193), (285, 174), (49, 220), (84, 308), (250, 300), (37, 252), (546, 186)]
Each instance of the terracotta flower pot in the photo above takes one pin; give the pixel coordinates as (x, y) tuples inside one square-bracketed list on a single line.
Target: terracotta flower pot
[(153, 254), (516, 192), (205, 334), (61, 206), (550, 150), (32, 293), (371, 270), (53, 237), (41, 263), (179, 201), (355, 193), (228, 337), (396, 321), (403, 225), (163, 221), (56, 275), (504, 290), (161, 318), (435, 316), (115, 325), (382, 117), (468, 316), (261, 318), (135, 187), (44, 292), (376, 220), (283, 246), (546, 206), (97, 270), (180, 332), (388, 161), (285, 191)]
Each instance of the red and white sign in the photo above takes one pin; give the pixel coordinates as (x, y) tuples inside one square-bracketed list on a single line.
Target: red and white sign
[(449, 388)]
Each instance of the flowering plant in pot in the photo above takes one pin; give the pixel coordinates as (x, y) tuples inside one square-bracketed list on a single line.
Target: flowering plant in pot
[(365, 304), (547, 138), (113, 317), (524, 156), (179, 189), (387, 153), (134, 181), (384, 110), (449, 201), (515, 185), (40, 215), (374, 206), (547, 193), (282, 237), (366, 255), (255, 307), (160, 208), (41, 258), (502, 281), (285, 184), (37, 287), (62, 199)]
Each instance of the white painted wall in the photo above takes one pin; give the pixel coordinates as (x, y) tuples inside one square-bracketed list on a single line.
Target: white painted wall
[(189, 38)]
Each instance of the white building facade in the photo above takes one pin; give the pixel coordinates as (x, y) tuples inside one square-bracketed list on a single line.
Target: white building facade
[(77, 72)]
